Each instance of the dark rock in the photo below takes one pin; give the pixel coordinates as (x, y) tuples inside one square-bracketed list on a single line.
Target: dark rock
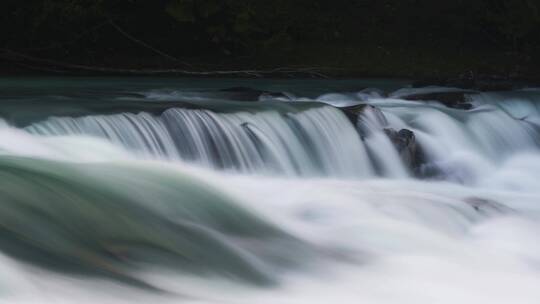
[(239, 89), (354, 112), (429, 171), (249, 94), (363, 113), (494, 86), (405, 142), (366, 117), (451, 99), (274, 95), (240, 94), (487, 206), (367, 93), (375, 116), (463, 106), (480, 82)]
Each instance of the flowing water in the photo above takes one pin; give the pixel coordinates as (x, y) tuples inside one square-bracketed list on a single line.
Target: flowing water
[(172, 191)]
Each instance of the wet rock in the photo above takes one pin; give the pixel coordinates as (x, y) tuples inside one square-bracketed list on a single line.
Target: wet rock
[(249, 94), (430, 171), (487, 206), (368, 118), (268, 96), (463, 106), (405, 142), (451, 99), (374, 116), (472, 81), (241, 94), (353, 112), (240, 90), (365, 118), (368, 93)]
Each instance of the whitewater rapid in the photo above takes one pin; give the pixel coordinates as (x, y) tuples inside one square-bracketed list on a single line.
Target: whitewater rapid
[(379, 241), (265, 206)]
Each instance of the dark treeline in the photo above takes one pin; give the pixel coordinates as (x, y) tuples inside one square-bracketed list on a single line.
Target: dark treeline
[(358, 37)]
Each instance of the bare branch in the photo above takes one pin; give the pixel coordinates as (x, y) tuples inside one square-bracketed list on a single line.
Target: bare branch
[(17, 57), (144, 44)]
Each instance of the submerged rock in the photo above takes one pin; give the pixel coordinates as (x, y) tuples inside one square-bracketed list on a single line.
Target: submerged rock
[(487, 206), (250, 94), (452, 99), (375, 116), (353, 112), (472, 81), (405, 142), (368, 118)]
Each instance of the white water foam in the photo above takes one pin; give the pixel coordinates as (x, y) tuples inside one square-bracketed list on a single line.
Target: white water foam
[(379, 240)]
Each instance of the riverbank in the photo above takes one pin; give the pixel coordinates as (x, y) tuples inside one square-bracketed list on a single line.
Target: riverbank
[(304, 61)]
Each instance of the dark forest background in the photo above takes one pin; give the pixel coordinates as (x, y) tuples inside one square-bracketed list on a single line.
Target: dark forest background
[(405, 38)]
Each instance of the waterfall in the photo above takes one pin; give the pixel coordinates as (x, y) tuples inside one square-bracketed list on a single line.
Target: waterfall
[(372, 122), (464, 145), (351, 197), (318, 141), (455, 144)]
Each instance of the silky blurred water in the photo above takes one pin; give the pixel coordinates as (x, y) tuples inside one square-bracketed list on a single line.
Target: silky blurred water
[(140, 190)]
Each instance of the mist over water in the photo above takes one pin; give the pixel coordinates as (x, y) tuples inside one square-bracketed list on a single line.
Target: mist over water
[(162, 192)]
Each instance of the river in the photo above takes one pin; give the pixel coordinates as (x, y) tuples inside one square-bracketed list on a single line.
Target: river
[(171, 190)]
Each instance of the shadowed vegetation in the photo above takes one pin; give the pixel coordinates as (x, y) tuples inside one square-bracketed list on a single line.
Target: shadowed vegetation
[(415, 38)]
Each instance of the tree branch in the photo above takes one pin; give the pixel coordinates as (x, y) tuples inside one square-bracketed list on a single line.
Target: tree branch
[(144, 44), (50, 65)]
